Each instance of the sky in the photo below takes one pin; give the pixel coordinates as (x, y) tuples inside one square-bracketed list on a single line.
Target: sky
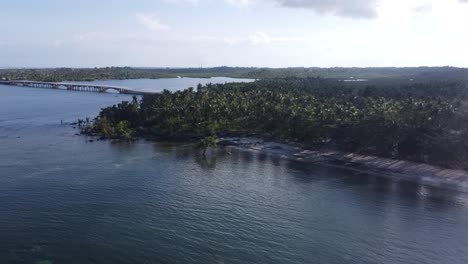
[(254, 33)]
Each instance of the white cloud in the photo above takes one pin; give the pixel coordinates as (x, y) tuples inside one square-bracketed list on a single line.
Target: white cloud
[(239, 3), (260, 38), (423, 8), (347, 8), (231, 41), (151, 22), (341, 8)]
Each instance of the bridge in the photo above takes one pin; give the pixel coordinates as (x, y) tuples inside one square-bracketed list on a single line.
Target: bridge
[(75, 87)]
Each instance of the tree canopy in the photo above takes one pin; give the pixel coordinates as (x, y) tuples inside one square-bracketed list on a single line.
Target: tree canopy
[(423, 122)]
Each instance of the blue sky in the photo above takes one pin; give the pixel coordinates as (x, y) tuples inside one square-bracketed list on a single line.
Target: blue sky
[(272, 33)]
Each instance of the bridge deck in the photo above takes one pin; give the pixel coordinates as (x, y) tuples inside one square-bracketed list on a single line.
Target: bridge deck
[(74, 86)]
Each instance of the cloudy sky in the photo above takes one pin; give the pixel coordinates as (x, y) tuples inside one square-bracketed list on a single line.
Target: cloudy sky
[(273, 33)]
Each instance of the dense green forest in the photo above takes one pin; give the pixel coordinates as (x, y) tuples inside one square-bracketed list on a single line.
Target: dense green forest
[(423, 122), (88, 74)]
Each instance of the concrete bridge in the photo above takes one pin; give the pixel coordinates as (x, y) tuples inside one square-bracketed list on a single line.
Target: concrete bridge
[(75, 87)]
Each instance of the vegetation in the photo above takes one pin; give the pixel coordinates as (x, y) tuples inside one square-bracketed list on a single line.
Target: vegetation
[(89, 74), (117, 122), (207, 142), (423, 122)]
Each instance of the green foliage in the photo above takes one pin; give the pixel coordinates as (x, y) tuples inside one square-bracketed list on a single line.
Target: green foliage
[(207, 142), (411, 121), (117, 122), (105, 128)]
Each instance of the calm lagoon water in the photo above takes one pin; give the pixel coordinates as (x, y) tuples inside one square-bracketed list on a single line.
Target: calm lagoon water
[(171, 84), (64, 199)]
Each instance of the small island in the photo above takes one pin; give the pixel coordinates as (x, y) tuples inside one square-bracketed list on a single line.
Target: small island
[(423, 122)]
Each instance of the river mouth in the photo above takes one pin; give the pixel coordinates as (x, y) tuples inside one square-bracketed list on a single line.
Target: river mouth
[(135, 202)]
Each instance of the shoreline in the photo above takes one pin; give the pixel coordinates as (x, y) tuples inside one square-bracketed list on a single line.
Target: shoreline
[(384, 167), (422, 173)]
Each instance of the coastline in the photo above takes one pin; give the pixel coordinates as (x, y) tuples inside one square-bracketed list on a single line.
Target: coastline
[(383, 167)]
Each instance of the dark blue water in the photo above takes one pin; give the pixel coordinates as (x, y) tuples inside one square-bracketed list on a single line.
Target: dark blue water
[(64, 199)]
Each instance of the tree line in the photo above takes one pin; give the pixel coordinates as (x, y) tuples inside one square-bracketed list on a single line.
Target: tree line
[(118, 73)]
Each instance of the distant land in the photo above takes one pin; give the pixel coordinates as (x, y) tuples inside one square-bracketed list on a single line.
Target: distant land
[(119, 73)]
